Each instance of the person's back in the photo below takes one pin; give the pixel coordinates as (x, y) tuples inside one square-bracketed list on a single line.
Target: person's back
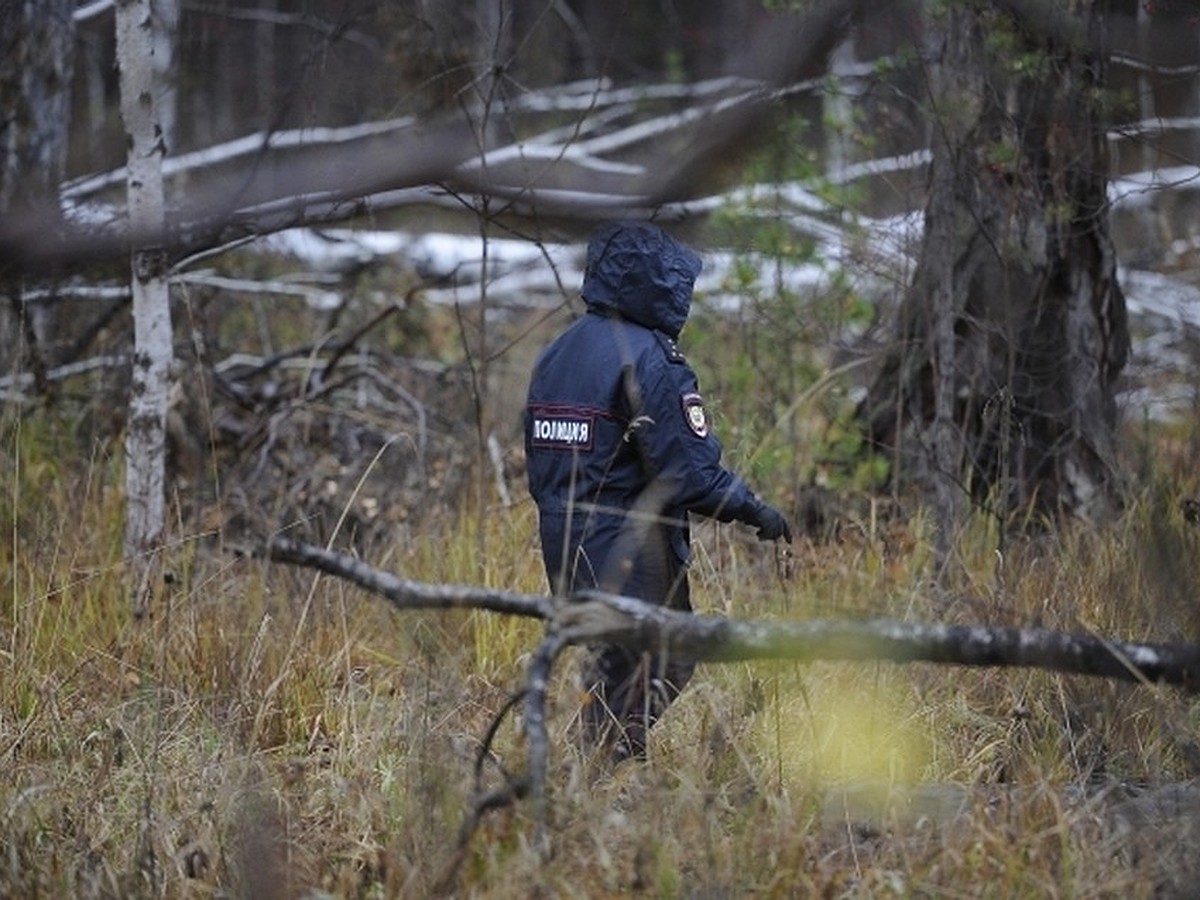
[(585, 472), (618, 453)]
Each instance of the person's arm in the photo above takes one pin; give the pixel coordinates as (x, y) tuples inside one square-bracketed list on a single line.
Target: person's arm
[(678, 448)]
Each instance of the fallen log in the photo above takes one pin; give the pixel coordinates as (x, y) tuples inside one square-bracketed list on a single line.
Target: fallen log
[(595, 617)]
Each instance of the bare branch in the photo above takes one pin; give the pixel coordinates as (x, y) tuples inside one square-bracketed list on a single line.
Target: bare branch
[(608, 618), (403, 593), (625, 620), (11, 385), (273, 180), (316, 298), (93, 9), (596, 617), (541, 666)]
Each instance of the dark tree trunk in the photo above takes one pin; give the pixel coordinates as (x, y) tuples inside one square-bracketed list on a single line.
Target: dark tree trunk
[(1000, 382), (36, 55), (36, 44)]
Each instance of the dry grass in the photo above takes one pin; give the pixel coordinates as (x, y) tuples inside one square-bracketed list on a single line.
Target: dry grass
[(272, 733)]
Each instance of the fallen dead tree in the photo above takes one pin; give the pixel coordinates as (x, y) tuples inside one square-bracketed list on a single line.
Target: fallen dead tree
[(593, 617)]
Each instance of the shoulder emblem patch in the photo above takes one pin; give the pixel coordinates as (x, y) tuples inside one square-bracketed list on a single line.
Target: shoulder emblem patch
[(693, 413)]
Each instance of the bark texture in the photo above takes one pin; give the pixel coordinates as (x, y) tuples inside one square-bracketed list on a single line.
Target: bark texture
[(145, 444), (36, 60), (36, 57), (1012, 334)]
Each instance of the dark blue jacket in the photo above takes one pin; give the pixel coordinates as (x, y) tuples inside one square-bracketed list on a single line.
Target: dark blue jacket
[(619, 448)]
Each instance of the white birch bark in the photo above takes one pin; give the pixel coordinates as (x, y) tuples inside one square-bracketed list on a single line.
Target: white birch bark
[(145, 443)]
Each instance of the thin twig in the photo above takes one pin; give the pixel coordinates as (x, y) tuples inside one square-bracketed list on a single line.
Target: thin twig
[(537, 686)]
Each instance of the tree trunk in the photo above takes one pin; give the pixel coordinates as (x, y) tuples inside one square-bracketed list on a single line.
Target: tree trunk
[(1013, 331), (36, 57), (36, 60), (145, 444)]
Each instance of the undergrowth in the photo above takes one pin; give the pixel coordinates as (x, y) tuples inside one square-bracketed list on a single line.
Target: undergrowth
[(270, 732)]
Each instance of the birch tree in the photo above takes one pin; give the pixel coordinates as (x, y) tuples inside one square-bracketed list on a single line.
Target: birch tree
[(145, 443)]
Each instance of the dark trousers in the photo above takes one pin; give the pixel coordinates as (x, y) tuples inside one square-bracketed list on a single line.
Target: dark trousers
[(627, 690)]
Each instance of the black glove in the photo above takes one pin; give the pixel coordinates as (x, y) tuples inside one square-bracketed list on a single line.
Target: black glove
[(771, 524)]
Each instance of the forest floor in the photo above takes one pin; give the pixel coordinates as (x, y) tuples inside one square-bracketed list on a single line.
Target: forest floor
[(269, 732)]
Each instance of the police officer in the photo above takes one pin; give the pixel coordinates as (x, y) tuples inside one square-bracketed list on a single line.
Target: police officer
[(619, 452)]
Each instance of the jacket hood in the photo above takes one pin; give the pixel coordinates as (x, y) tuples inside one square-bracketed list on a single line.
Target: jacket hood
[(640, 272)]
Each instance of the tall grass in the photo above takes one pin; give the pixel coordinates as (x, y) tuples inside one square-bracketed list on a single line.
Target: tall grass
[(274, 733)]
